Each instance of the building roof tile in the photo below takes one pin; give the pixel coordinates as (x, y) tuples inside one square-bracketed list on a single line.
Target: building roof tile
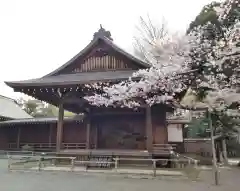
[(10, 109)]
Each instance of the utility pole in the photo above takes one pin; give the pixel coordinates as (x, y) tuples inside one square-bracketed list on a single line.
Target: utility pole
[(214, 161)]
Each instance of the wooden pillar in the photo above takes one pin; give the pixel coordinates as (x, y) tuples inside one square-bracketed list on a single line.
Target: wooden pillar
[(88, 133), (59, 127), (18, 137), (96, 137), (50, 135), (149, 131)]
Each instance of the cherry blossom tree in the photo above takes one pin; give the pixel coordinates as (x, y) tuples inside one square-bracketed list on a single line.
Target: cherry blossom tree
[(204, 63), (218, 60), (171, 69), (157, 84), (148, 33)]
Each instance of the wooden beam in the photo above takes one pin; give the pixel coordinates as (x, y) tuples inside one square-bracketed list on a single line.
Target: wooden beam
[(149, 132), (59, 127), (113, 113), (75, 100), (18, 137)]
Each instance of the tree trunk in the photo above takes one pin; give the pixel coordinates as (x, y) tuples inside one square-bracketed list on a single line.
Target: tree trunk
[(215, 168), (218, 151), (224, 150)]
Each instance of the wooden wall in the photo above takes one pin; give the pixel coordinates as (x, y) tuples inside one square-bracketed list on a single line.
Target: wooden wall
[(74, 133), (116, 129), (104, 63), (159, 134), (3, 138), (120, 131), (42, 133), (159, 126), (52, 133), (37, 133), (101, 57), (11, 133)]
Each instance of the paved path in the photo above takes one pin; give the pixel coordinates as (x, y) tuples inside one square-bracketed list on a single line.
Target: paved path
[(48, 181)]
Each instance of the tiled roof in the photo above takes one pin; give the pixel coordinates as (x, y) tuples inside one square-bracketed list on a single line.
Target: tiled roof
[(10, 109), (40, 120), (77, 78), (106, 40)]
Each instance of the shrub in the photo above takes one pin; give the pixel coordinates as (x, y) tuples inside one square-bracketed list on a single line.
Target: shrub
[(27, 148)]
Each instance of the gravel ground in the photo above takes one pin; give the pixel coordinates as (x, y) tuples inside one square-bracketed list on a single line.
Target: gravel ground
[(49, 181)]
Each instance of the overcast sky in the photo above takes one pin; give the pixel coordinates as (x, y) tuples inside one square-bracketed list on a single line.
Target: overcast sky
[(38, 36)]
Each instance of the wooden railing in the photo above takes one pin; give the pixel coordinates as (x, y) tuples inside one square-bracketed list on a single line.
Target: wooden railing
[(13, 153), (74, 145), (41, 146), (47, 146), (12, 145)]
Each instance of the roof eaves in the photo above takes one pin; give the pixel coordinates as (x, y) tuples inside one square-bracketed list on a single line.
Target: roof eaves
[(40, 120), (30, 84), (39, 81)]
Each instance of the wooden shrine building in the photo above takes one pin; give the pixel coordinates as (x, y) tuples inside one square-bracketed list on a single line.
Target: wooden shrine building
[(103, 128), (9, 110)]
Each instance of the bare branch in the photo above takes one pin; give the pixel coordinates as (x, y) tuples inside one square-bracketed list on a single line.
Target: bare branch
[(149, 34)]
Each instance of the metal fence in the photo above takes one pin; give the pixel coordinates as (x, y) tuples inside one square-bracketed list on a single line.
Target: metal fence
[(38, 163), (26, 162)]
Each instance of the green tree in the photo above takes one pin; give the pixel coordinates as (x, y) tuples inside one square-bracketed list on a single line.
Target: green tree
[(198, 128), (207, 14), (31, 106), (37, 108), (216, 28), (225, 125)]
